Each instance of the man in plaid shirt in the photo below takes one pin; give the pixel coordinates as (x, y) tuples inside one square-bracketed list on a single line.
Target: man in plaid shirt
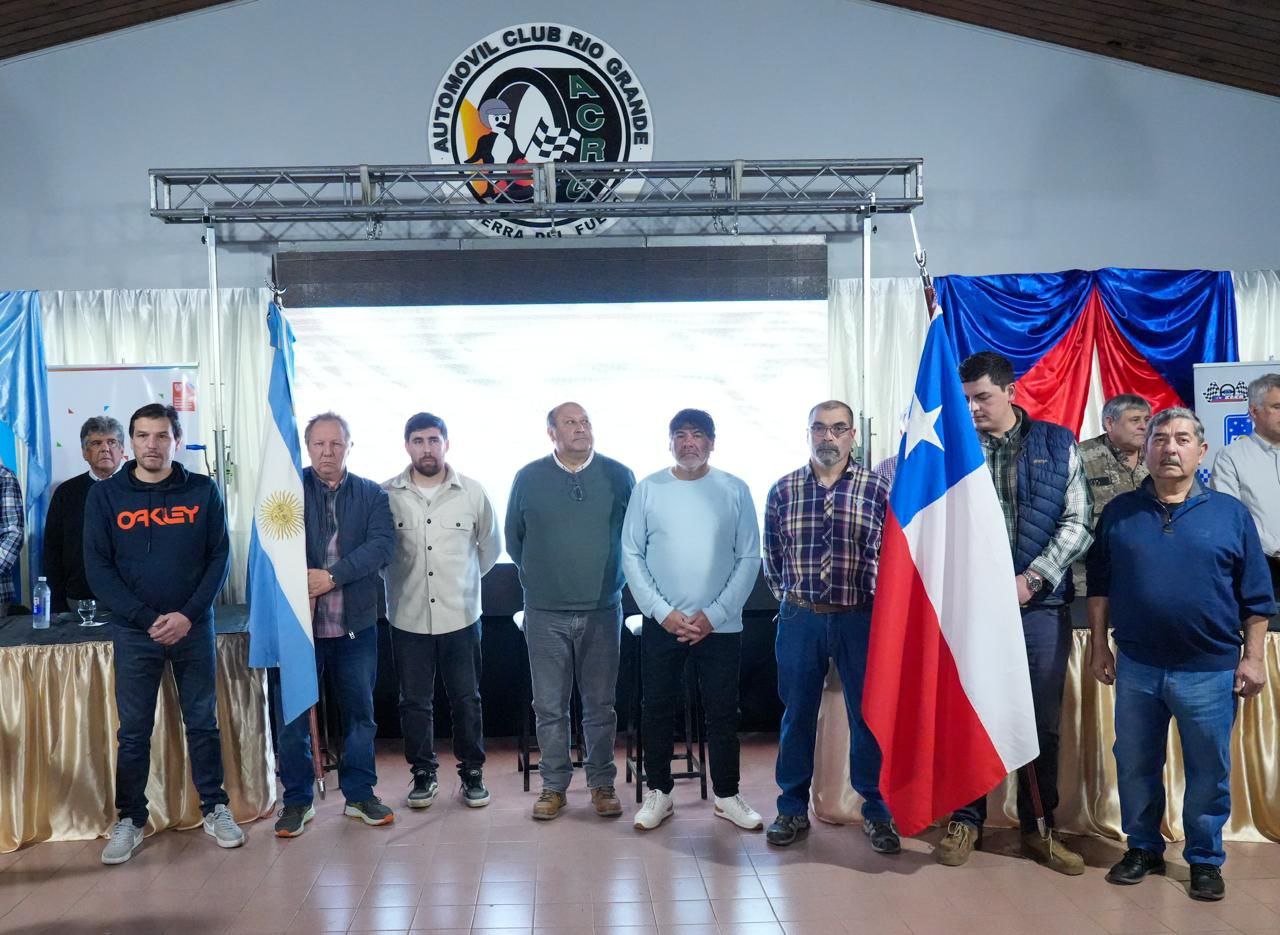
[(1048, 514), (11, 527), (823, 526)]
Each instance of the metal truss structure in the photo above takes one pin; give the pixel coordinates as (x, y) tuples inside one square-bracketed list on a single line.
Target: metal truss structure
[(344, 203), (328, 204)]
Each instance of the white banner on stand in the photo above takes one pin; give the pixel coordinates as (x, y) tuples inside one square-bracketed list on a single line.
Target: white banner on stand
[(1222, 403), (77, 393)]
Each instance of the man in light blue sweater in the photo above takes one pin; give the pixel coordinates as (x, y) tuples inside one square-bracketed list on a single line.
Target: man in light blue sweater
[(691, 553)]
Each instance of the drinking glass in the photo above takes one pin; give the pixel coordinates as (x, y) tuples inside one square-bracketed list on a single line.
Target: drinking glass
[(87, 609)]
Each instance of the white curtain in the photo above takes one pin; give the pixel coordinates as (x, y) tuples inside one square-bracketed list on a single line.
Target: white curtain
[(898, 325), (169, 326), (1258, 314)]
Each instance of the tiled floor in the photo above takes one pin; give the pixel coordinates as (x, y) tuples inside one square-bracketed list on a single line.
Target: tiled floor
[(450, 869)]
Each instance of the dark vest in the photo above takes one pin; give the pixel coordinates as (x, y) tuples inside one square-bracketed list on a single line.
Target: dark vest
[(1044, 459)]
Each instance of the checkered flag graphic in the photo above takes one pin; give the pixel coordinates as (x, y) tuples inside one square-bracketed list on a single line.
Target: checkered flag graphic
[(550, 143)]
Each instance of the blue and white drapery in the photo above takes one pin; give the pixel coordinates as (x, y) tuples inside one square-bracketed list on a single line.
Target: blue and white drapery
[(24, 409)]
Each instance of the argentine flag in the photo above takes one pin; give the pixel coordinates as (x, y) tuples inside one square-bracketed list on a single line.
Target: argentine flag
[(279, 609)]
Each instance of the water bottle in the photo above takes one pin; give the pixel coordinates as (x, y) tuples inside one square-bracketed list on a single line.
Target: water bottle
[(41, 604)]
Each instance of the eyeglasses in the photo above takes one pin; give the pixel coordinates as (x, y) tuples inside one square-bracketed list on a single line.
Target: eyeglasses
[(575, 489), (839, 430)]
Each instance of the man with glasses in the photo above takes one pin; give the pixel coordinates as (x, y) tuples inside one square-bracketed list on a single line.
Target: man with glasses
[(1044, 494), (446, 541), (350, 539), (1249, 468), (691, 553), (823, 527), (563, 531), (102, 446)]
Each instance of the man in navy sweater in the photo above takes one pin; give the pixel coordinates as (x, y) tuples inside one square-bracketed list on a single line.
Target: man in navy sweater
[(1179, 570), (156, 552)]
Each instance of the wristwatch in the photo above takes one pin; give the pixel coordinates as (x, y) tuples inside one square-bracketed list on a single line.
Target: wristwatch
[(1033, 580)]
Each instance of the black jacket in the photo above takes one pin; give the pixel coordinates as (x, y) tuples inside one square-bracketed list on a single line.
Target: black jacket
[(64, 541), (152, 549), (366, 542)]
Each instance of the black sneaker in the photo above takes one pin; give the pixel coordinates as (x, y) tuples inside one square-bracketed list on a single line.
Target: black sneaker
[(371, 811), (293, 819), (424, 789), (473, 791), (1136, 863), (883, 835), (1206, 883), (786, 828)]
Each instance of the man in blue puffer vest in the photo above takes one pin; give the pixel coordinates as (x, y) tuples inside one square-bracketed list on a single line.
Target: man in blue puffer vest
[(1048, 513)]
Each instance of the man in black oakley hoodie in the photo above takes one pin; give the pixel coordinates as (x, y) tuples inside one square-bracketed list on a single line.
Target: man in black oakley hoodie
[(156, 553)]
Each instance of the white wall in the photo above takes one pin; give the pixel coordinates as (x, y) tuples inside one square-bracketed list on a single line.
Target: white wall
[(1037, 158)]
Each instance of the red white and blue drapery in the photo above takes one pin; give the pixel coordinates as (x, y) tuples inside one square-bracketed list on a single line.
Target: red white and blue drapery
[(1147, 327)]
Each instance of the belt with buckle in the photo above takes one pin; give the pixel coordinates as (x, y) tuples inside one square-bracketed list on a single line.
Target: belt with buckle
[(818, 608)]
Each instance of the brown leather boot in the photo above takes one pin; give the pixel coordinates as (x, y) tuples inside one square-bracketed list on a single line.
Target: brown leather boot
[(1053, 853), (549, 805), (605, 801), (958, 844)]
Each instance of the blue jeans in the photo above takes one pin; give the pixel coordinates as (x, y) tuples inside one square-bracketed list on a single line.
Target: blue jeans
[(1047, 631), (139, 666), (1205, 707), (564, 645), (354, 664), (806, 641)]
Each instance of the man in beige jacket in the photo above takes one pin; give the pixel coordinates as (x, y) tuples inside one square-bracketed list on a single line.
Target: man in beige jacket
[(446, 540)]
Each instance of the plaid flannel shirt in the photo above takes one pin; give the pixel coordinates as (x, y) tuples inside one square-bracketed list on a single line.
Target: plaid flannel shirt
[(11, 529), (1074, 535), (327, 621), (822, 544)]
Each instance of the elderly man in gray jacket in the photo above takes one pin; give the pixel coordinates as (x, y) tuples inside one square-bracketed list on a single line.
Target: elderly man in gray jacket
[(446, 540)]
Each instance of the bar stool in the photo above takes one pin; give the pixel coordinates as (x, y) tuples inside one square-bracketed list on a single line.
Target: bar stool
[(524, 746), (695, 764)]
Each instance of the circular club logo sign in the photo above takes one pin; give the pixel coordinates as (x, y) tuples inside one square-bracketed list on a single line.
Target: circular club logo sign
[(541, 92)]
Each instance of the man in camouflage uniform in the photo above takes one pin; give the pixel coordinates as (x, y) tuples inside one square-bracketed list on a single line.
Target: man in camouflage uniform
[(1113, 462)]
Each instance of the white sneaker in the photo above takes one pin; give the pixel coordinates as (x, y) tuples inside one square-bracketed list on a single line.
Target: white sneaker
[(656, 809), (125, 838), (223, 827), (736, 810)]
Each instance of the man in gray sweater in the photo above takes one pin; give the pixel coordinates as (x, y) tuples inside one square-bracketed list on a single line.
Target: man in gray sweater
[(564, 529)]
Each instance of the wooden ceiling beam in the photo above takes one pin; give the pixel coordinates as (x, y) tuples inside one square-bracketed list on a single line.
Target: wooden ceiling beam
[(1218, 49)]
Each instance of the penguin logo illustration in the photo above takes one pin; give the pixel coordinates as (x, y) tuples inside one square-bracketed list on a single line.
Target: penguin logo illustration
[(541, 93)]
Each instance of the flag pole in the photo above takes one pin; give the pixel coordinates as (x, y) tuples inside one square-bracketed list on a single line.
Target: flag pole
[(922, 261), (317, 764), (1037, 804), (1028, 771)]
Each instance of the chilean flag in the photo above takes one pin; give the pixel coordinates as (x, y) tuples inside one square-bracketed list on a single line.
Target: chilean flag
[(948, 694)]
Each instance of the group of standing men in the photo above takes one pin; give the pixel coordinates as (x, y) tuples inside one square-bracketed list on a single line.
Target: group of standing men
[(685, 540)]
